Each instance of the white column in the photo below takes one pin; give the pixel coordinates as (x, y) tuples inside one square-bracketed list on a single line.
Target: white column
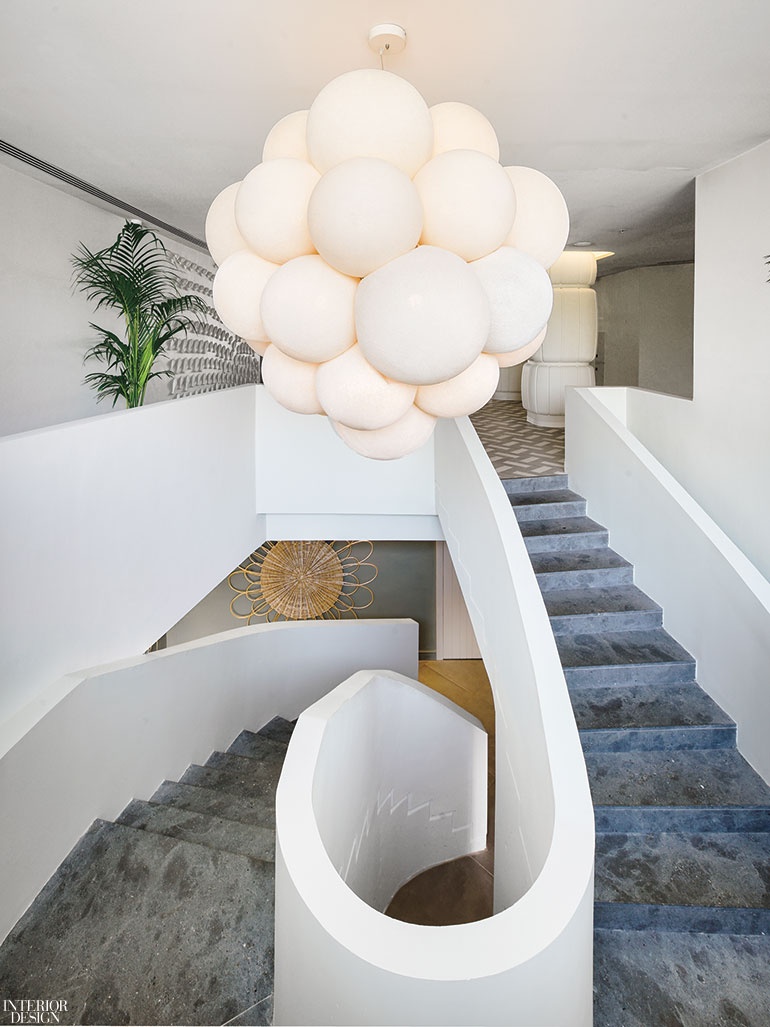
[(565, 357)]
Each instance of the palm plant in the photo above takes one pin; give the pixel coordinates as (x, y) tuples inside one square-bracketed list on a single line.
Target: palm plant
[(133, 277)]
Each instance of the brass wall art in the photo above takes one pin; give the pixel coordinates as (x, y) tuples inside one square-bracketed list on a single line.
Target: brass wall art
[(304, 580)]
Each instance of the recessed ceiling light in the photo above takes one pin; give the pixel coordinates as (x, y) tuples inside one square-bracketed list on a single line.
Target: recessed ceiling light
[(589, 243)]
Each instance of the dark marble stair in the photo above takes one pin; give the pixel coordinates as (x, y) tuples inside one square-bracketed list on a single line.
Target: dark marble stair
[(682, 913), (166, 915)]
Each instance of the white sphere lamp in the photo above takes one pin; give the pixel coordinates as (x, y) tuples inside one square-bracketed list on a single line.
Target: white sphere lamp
[(222, 235), (238, 287), (399, 439), (290, 382), (423, 317), (458, 126), (468, 203), (369, 113), (287, 138), (271, 208), (364, 213), (308, 309), (355, 394)]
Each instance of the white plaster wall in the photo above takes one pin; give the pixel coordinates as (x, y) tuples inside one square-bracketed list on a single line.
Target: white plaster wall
[(646, 318), (716, 446), (327, 479), (44, 323), (715, 602), (111, 528)]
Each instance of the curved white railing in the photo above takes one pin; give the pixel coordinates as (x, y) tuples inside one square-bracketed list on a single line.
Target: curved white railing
[(396, 776), (340, 961), (95, 740)]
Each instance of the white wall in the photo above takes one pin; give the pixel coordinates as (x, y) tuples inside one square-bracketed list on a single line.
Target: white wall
[(646, 319), (714, 601), (716, 446), (311, 485), (111, 528), (44, 323)]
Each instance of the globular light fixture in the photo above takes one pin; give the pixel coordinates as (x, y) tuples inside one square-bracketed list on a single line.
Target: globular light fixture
[(383, 260)]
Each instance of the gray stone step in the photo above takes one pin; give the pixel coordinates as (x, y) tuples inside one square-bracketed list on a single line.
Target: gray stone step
[(645, 705), (547, 505), (203, 828), (246, 770), (543, 482), (199, 799), (649, 739), (710, 920), (684, 819), (715, 869), (235, 775), (258, 747), (563, 533), (581, 568), (140, 928), (279, 729), (624, 657), (601, 608), (711, 777), (663, 979)]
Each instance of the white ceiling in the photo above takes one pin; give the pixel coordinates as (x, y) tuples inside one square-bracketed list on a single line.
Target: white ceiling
[(164, 102)]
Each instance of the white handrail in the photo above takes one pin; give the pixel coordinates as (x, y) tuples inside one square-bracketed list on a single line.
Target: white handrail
[(340, 961)]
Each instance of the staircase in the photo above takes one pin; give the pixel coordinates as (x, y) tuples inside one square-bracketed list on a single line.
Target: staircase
[(682, 912), (166, 915)]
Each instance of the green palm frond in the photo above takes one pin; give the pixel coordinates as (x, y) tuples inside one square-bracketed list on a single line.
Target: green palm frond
[(133, 277)]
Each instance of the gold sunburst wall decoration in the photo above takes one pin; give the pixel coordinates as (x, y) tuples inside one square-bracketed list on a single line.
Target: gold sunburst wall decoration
[(308, 580)]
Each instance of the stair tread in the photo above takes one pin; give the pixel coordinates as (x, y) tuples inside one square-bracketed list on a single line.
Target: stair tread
[(544, 497), (711, 777), (598, 599), (621, 648), (256, 746), (559, 526), (683, 819), (246, 770), (546, 482), (649, 739), (649, 705), (643, 979), (668, 917), (598, 558), (251, 840), (200, 799), (141, 924), (279, 729), (714, 869), (238, 781)]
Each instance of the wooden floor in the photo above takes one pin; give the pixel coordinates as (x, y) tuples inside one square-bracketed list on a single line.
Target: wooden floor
[(460, 891)]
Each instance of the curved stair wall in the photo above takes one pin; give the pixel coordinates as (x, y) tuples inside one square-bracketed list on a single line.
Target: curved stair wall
[(338, 960), (97, 740), (717, 603), (383, 779)]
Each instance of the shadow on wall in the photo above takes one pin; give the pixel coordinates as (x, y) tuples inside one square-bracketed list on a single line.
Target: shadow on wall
[(646, 329), (405, 586)]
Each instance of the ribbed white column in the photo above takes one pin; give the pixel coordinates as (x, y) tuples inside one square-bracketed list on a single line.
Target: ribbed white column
[(565, 357)]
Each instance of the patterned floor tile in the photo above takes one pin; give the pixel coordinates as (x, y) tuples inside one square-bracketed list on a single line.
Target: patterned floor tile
[(517, 448)]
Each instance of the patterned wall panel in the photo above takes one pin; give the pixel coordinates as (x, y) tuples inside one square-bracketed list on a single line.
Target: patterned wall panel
[(210, 357)]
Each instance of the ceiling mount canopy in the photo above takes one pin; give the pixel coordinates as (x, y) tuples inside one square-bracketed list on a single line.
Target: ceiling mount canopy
[(387, 39)]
